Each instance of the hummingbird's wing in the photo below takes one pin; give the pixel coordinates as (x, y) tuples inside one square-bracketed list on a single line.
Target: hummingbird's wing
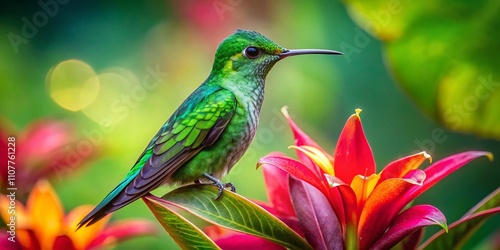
[(190, 131), (197, 124)]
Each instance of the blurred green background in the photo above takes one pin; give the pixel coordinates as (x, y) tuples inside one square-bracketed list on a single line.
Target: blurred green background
[(148, 56)]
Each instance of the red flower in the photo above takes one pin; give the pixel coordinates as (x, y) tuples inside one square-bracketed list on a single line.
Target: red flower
[(279, 205), (46, 148), (341, 203)]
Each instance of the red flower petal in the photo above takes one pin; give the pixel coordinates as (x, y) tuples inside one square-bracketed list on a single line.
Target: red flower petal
[(63, 242), (123, 230), (294, 168), (443, 168), (434, 173), (412, 240), (6, 243), (242, 241), (266, 205), (398, 168), (43, 148), (408, 222), (379, 209), (44, 137), (353, 154), (298, 170), (277, 190), (345, 206), (4, 134), (302, 139), (321, 225)]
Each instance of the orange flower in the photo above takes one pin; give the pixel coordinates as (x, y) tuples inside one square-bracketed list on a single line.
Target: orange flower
[(41, 224)]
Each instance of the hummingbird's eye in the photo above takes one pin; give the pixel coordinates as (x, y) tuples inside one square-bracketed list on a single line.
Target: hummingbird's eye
[(251, 52)]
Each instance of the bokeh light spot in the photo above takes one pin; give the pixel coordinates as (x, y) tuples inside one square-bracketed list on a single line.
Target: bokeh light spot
[(72, 84), (113, 103)]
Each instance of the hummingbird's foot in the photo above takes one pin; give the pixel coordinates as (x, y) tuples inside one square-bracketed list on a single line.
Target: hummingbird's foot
[(216, 182)]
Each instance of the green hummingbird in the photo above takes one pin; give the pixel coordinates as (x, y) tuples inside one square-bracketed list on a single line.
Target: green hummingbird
[(212, 128)]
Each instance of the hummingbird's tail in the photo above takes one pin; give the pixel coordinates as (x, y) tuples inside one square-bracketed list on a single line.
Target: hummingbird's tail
[(107, 205)]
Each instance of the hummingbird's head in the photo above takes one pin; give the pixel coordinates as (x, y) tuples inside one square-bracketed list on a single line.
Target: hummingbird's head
[(247, 52), (250, 53)]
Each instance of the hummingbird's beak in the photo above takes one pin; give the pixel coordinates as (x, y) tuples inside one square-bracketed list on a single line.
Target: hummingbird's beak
[(295, 52)]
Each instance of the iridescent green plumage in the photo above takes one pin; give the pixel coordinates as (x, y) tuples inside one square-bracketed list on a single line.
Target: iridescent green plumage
[(211, 129)]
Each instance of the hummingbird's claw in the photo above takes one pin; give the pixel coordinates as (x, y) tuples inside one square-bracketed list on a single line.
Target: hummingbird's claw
[(216, 182), (231, 186)]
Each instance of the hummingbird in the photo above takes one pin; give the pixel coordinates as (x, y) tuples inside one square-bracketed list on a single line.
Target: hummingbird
[(211, 129)]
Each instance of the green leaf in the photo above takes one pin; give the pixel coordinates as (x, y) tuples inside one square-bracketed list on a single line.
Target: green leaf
[(460, 231), (234, 212), (184, 233), (446, 65), (490, 201)]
